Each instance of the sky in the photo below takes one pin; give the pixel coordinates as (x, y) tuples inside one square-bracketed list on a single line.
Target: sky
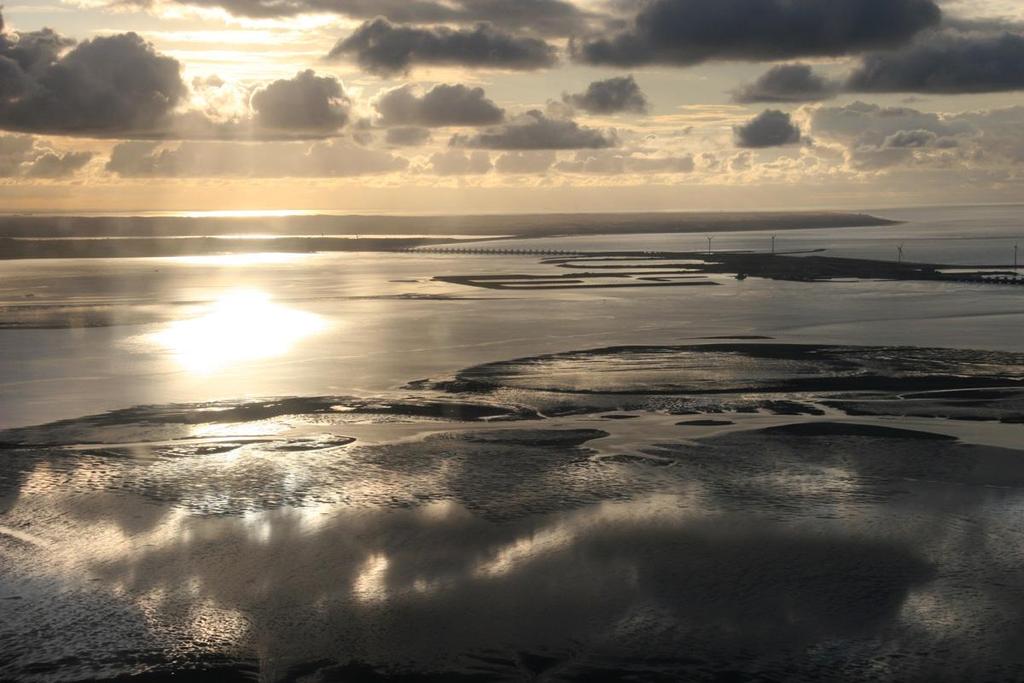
[(489, 106)]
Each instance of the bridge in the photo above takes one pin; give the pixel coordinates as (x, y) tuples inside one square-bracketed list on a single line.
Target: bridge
[(490, 251), (983, 279)]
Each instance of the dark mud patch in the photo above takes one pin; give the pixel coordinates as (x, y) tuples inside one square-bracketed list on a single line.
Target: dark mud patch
[(632, 459), (737, 368), (705, 423), (1005, 405), (823, 463), (532, 437), (746, 337), (819, 429), (572, 281), (176, 421), (790, 408)]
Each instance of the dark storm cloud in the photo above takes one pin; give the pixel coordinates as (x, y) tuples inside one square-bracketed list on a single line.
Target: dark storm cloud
[(33, 50), (106, 86), (382, 47), (770, 128), (686, 32), (306, 102), (788, 83), (610, 96), (545, 17), (960, 57), (442, 105), (946, 62), (536, 131), (408, 136)]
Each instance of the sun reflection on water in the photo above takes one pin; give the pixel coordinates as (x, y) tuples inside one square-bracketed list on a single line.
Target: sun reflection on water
[(242, 325)]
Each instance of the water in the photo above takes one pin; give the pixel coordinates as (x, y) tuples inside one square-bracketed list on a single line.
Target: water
[(373, 339), (364, 526)]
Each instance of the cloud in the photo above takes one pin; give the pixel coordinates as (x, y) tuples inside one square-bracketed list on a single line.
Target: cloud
[(770, 128), (544, 17), (107, 86), (332, 158), (517, 163), (945, 62), (119, 87), (911, 139), (442, 105), (15, 150), (961, 57), (999, 136), (902, 147), (407, 136), (686, 32), (456, 162), (863, 124), (618, 163), (29, 52), (53, 165), (878, 138), (305, 103), (788, 83), (610, 96), (384, 48), (536, 131), (23, 156)]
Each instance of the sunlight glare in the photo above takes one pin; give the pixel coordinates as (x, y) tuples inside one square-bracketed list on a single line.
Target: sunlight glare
[(241, 325)]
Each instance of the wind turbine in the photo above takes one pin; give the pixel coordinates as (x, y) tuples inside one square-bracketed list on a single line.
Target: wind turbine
[(773, 245), (899, 251), (709, 244)]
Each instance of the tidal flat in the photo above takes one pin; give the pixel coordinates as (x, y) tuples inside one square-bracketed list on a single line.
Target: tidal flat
[(338, 467), (493, 527)]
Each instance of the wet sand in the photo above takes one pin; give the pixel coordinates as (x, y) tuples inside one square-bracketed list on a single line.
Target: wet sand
[(514, 532)]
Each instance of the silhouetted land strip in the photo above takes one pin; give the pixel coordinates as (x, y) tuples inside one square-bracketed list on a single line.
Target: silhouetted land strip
[(533, 225), (139, 236), (671, 267), (574, 281), (139, 247)]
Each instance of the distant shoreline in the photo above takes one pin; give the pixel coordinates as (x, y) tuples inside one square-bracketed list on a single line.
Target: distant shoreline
[(33, 237)]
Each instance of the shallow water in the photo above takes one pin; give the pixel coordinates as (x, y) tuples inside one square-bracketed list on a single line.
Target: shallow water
[(80, 333)]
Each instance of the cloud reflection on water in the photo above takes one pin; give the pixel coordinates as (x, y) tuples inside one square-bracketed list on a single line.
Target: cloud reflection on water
[(795, 553)]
